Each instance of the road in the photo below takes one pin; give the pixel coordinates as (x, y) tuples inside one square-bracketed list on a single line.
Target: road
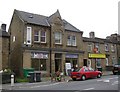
[(104, 83)]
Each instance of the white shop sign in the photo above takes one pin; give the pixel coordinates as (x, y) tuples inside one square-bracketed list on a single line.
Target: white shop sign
[(39, 55)]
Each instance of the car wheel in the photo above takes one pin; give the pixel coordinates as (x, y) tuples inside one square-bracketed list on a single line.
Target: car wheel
[(99, 75), (83, 77), (74, 79)]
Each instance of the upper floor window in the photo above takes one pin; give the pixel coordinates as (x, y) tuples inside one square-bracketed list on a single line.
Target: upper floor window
[(106, 47), (71, 41), (113, 48), (58, 38), (89, 47), (29, 35), (97, 47), (43, 37), (40, 36), (36, 36)]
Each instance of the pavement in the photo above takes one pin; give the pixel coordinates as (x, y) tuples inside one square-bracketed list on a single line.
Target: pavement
[(45, 80)]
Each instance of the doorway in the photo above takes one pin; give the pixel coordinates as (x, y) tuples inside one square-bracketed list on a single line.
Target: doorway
[(85, 62)]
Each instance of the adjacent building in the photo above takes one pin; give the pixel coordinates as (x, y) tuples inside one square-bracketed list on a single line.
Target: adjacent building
[(4, 47), (101, 53)]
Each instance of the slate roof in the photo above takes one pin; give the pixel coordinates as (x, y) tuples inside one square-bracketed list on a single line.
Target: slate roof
[(43, 20), (99, 40)]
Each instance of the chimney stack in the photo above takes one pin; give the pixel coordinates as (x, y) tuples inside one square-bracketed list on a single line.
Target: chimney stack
[(3, 27), (92, 34)]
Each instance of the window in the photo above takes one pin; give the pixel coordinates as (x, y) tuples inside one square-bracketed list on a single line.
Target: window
[(106, 47), (71, 41), (40, 36), (29, 32), (113, 48), (97, 47), (39, 64), (43, 37), (58, 38), (14, 38), (89, 47), (113, 60), (107, 62), (36, 36), (98, 63)]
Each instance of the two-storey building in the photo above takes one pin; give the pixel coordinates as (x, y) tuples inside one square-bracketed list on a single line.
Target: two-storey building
[(44, 43), (99, 52)]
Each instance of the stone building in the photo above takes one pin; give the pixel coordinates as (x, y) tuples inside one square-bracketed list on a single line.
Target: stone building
[(4, 47), (99, 52), (44, 43), (50, 43)]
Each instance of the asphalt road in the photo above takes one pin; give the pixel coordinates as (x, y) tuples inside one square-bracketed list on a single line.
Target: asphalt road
[(104, 83)]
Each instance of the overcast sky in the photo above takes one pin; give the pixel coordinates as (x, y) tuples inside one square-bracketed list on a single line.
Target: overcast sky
[(100, 16)]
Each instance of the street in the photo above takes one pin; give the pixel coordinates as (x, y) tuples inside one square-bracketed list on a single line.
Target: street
[(104, 83)]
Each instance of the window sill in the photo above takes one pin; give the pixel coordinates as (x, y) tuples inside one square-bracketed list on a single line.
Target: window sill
[(58, 44), (70, 46)]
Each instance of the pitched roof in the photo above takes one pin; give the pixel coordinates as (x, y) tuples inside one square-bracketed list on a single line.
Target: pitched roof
[(32, 18), (43, 20), (99, 40)]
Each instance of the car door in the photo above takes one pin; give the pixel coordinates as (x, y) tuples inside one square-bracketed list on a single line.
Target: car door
[(87, 72), (92, 72)]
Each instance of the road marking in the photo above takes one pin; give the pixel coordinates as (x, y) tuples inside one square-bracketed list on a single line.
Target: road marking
[(106, 80), (116, 82), (89, 89)]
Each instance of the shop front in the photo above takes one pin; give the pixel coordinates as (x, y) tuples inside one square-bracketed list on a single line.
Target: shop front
[(72, 59), (39, 61), (98, 60)]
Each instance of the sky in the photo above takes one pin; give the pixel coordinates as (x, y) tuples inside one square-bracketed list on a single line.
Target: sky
[(100, 16)]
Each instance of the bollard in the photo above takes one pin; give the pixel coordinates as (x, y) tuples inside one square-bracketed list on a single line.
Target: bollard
[(12, 80)]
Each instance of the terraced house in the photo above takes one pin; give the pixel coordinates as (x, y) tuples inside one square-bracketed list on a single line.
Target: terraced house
[(101, 53), (44, 43)]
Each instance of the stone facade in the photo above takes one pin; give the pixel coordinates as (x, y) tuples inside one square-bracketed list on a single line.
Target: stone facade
[(4, 48), (48, 44), (108, 48)]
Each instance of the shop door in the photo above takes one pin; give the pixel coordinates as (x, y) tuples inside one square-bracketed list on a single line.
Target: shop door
[(57, 65), (85, 62)]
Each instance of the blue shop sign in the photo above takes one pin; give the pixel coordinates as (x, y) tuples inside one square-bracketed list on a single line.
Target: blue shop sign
[(71, 56)]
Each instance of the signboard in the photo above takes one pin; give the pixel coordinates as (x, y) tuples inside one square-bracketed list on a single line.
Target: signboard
[(68, 68), (97, 56), (39, 55), (71, 56)]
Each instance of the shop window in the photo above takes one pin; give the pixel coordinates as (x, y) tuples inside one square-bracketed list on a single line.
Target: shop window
[(39, 64), (58, 38), (98, 63)]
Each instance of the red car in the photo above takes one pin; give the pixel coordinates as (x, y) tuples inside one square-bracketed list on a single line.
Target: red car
[(85, 73)]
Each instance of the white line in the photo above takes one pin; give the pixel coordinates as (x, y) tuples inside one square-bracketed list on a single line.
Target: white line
[(116, 82), (89, 89)]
